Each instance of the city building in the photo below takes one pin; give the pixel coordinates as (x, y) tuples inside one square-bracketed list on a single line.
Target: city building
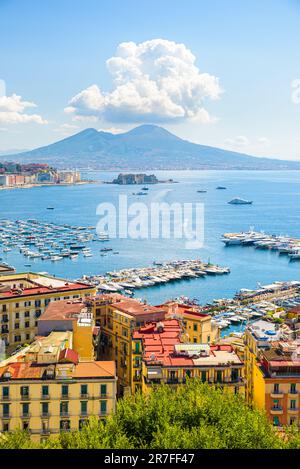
[(198, 327), (161, 356), (273, 372), (277, 382), (74, 316), (23, 299), (118, 317), (47, 388)]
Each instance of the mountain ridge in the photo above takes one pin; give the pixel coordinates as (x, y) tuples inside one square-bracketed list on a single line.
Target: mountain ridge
[(142, 148)]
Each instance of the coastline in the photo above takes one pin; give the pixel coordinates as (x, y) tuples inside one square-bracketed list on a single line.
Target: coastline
[(31, 186)]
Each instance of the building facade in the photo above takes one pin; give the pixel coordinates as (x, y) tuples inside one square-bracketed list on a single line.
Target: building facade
[(24, 298)]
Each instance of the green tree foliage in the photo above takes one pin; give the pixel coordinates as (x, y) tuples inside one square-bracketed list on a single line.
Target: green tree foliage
[(192, 416)]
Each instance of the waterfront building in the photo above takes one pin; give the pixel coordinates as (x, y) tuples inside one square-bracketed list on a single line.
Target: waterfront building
[(118, 317), (198, 327), (161, 356), (272, 372), (25, 296), (47, 388)]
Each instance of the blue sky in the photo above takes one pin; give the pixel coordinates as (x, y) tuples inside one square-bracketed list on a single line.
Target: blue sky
[(51, 51)]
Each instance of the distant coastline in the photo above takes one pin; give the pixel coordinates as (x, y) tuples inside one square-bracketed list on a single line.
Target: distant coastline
[(31, 186)]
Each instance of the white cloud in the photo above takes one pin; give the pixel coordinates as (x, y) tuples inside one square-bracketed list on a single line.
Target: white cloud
[(264, 141), (153, 81), (239, 141), (12, 111)]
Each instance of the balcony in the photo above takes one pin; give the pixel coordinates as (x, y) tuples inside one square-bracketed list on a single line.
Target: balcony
[(84, 395), (276, 395), (5, 398), (64, 396), (45, 397), (84, 413), (103, 413), (45, 415), (6, 416), (293, 410), (293, 394), (276, 410), (25, 415), (65, 414)]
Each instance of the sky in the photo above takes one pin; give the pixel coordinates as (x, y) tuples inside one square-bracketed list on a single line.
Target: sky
[(223, 73)]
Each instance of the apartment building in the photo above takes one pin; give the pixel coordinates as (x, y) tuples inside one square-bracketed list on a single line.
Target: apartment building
[(118, 317), (47, 388), (161, 356), (198, 327), (23, 299)]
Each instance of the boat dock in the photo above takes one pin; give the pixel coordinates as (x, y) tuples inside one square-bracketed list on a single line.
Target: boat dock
[(160, 273), (260, 240)]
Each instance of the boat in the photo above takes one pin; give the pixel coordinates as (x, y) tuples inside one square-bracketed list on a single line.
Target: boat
[(238, 201), (105, 249), (221, 188), (201, 192), (50, 208)]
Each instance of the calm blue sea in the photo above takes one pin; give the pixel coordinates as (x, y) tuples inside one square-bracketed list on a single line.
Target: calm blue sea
[(275, 209)]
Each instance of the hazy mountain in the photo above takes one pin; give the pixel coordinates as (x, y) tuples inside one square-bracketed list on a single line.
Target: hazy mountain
[(143, 148)]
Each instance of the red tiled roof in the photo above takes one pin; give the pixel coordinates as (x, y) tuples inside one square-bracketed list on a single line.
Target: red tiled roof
[(136, 308), (43, 290), (62, 310), (68, 356)]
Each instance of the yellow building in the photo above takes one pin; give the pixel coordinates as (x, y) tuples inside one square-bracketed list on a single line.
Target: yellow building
[(118, 317), (75, 316), (46, 389), (160, 356), (198, 327), (23, 299)]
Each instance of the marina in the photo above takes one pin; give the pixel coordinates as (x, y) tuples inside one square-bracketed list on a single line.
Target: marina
[(128, 280), (260, 240), (48, 241)]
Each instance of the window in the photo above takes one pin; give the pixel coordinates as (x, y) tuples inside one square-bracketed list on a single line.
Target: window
[(47, 301), (276, 404), (5, 392), (17, 306), (17, 325), (84, 390), (25, 410), (276, 421), (5, 427), (208, 339), (103, 407), (24, 391), (5, 411), (27, 314), (276, 388), (25, 426), (293, 388), (45, 391), (65, 425), (103, 390), (27, 324), (203, 376), (64, 408), (17, 315), (137, 347), (195, 327), (82, 423), (219, 376), (4, 309), (17, 338), (38, 313), (27, 303), (65, 390), (27, 336), (45, 409), (234, 374), (37, 303), (293, 404), (83, 407), (195, 340), (292, 420)]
